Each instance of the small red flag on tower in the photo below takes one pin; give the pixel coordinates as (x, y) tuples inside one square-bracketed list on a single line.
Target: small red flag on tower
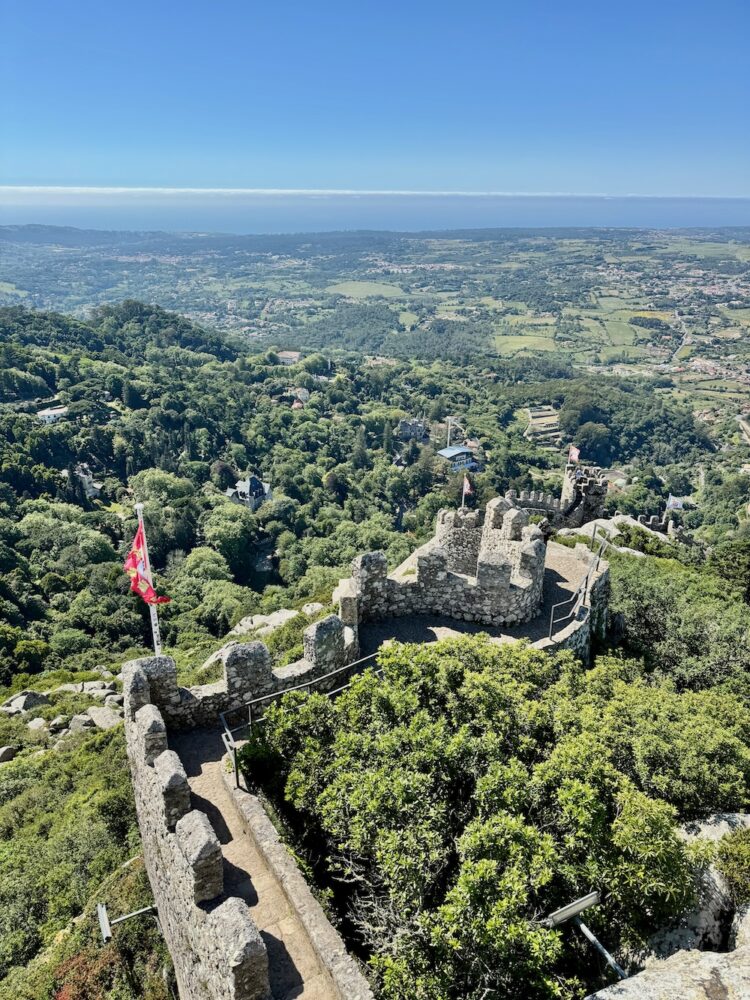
[(137, 568), (574, 453), (468, 488)]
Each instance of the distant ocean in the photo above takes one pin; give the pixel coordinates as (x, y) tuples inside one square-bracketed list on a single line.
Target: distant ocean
[(241, 211)]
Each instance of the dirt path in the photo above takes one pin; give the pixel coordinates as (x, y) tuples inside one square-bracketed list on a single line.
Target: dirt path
[(293, 967)]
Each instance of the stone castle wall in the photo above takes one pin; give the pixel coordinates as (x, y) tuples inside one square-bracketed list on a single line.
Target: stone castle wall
[(248, 674), (578, 633), (459, 534), (592, 484), (217, 951), (590, 481), (485, 567), (482, 566), (534, 500)]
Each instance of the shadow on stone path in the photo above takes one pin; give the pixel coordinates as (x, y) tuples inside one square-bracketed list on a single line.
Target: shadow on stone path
[(293, 968)]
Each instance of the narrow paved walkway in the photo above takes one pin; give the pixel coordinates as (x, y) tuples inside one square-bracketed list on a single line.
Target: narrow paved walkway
[(293, 967)]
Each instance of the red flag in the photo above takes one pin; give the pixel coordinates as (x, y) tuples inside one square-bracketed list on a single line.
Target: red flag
[(136, 568), (468, 488), (574, 454)]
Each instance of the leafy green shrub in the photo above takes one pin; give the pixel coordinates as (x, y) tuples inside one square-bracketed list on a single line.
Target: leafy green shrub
[(477, 786), (257, 758), (733, 861)]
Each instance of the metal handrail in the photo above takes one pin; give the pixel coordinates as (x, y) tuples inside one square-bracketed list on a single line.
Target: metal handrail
[(577, 598), (227, 735)]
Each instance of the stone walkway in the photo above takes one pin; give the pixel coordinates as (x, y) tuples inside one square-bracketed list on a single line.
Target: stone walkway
[(293, 967), (562, 575)]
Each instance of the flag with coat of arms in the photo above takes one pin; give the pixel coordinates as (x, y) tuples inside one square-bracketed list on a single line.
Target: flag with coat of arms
[(137, 568)]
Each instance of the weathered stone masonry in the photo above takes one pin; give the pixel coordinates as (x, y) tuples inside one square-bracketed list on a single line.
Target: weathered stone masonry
[(587, 481), (481, 566), (217, 951), (248, 674)]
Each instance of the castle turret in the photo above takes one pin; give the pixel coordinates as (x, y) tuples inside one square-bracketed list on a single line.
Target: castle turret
[(583, 494), (459, 533)]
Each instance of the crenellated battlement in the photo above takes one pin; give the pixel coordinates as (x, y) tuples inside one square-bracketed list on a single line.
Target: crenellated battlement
[(216, 948), (482, 566), (584, 491), (582, 499), (247, 673), (534, 500)]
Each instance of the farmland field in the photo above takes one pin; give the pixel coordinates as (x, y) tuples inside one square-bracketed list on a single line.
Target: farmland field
[(365, 289)]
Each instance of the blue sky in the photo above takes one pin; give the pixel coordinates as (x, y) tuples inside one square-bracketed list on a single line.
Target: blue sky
[(531, 96)]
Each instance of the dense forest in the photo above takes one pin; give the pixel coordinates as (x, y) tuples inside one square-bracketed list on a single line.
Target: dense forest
[(159, 410), (169, 414)]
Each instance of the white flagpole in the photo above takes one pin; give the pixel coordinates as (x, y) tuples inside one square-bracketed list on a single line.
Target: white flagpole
[(156, 634)]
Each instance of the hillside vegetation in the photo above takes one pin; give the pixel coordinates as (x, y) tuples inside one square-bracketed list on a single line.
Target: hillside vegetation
[(166, 413), (507, 761), (475, 788)]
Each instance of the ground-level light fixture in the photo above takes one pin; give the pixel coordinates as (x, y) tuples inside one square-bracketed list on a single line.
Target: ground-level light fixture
[(105, 925), (571, 912)]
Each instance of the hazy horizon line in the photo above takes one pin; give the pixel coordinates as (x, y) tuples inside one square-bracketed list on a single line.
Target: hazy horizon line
[(55, 189)]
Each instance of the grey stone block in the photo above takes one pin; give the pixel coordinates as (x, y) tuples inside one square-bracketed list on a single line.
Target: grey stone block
[(152, 733), (323, 643), (247, 965), (135, 688), (247, 669), (25, 701), (200, 846), (104, 718), (173, 785), (80, 723)]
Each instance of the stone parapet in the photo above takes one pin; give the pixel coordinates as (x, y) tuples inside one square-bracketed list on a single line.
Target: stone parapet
[(535, 500), (588, 485), (151, 682), (591, 618), (481, 566), (329, 948), (459, 534), (217, 951)]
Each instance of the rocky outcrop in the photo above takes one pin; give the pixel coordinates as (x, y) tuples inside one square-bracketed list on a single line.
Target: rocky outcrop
[(24, 701), (263, 625), (103, 717), (688, 975), (682, 960)]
